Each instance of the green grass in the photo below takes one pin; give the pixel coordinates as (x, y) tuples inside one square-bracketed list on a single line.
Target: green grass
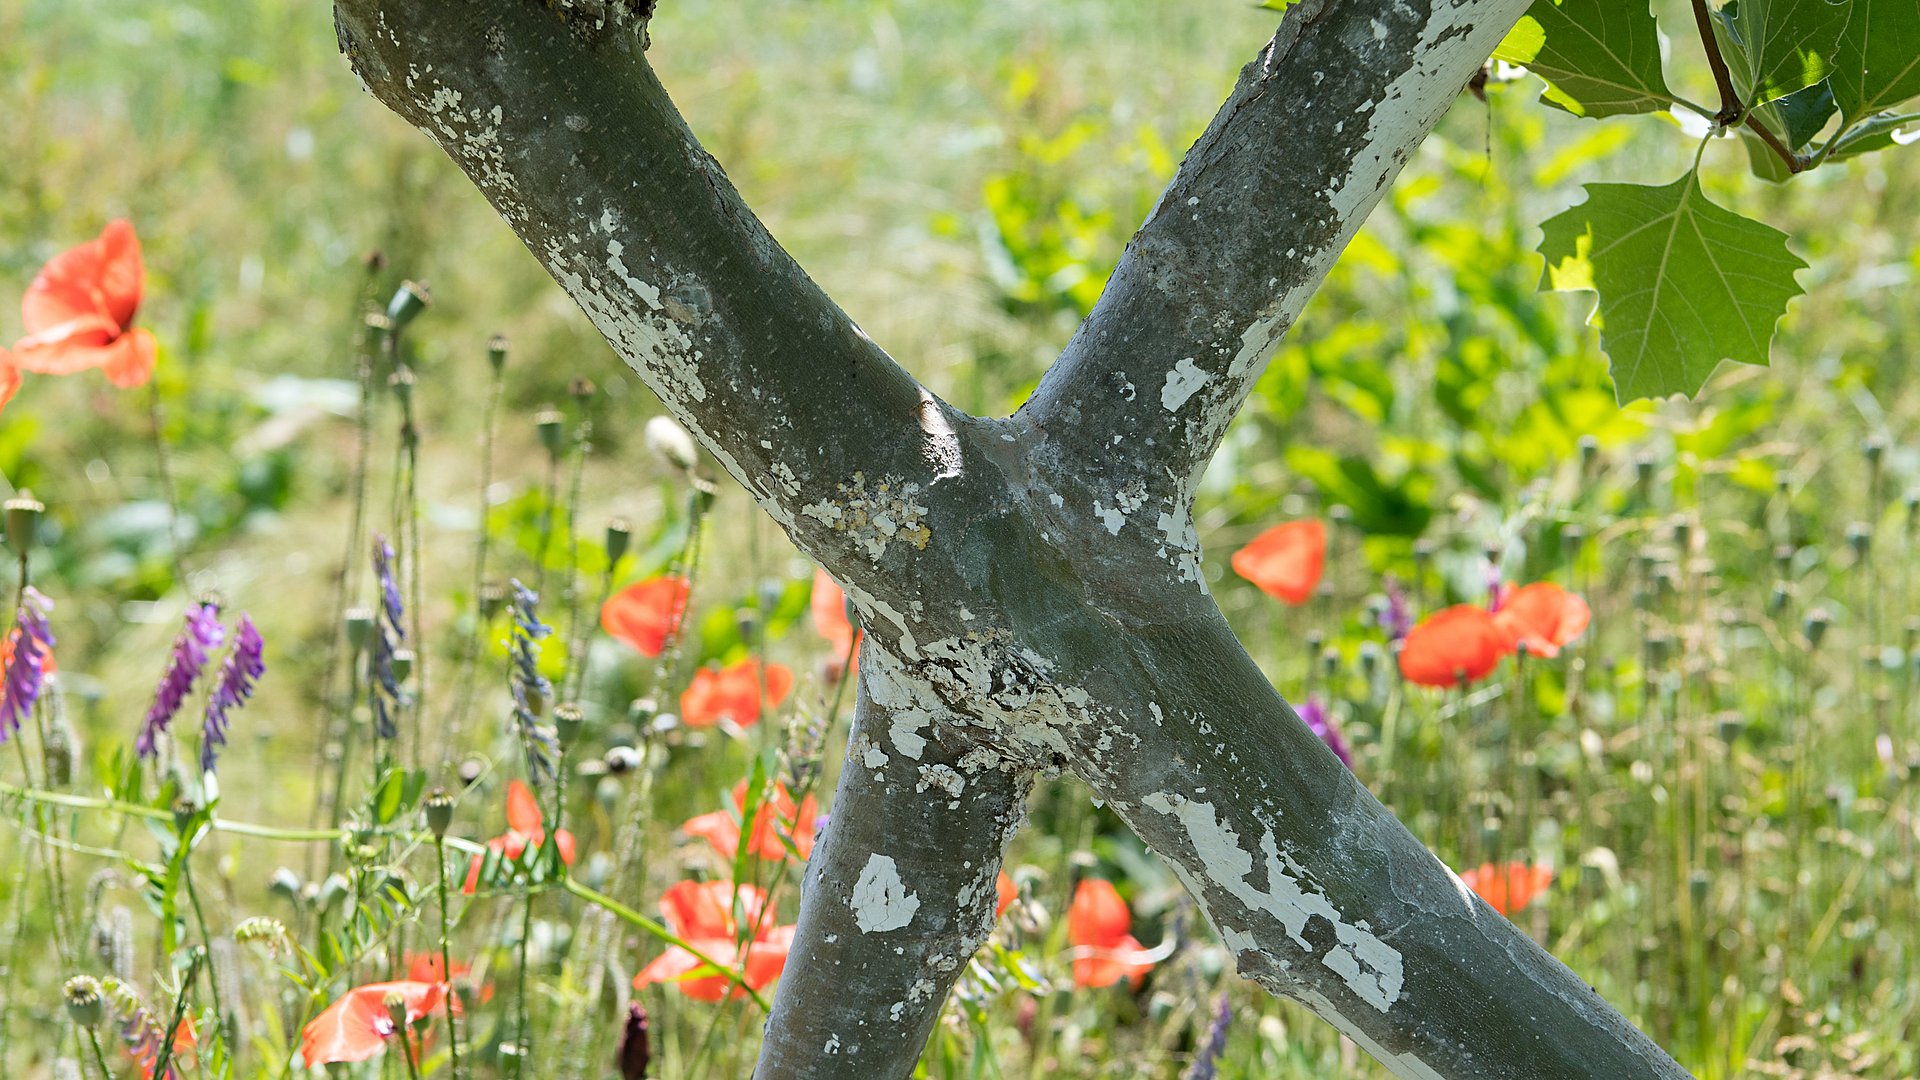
[(1680, 767)]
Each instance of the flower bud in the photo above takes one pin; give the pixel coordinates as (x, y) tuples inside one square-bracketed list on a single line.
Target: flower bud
[(23, 521), (671, 443), (439, 812), (409, 300)]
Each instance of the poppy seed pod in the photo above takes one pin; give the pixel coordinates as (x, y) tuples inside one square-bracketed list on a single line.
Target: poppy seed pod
[(567, 722), (1589, 451), (493, 597), (359, 627), (1816, 625), (1873, 449), (551, 425), (619, 536), (439, 807), (402, 664), (285, 883), (23, 521), (379, 329), (1859, 538), (409, 300), (396, 1004), (84, 1002), (671, 443), (497, 352)]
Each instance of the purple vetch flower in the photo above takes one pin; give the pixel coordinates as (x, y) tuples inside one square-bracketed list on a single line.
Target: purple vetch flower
[(530, 688), (1397, 619), (28, 646), (1206, 1066), (238, 673), (197, 641), (1314, 713), (389, 630)]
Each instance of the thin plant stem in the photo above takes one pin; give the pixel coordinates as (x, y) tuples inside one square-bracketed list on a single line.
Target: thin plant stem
[(100, 1059), (446, 954), (213, 979), (179, 1014), (470, 648), (523, 1035)]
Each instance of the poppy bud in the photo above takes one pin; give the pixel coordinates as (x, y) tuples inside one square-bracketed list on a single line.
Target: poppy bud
[(551, 426), (671, 443), (359, 628), (636, 1050), (23, 521), (84, 1003), (567, 721), (619, 536), (439, 812), (409, 300), (497, 352)]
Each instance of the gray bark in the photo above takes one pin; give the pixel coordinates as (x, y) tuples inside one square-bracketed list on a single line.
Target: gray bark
[(937, 818), (1030, 587)]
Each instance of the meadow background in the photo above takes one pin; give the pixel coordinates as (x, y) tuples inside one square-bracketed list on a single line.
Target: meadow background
[(1721, 772)]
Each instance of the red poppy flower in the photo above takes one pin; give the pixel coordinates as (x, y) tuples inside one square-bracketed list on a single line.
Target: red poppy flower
[(709, 915), (525, 828), (79, 312), (1507, 887), (9, 379), (1104, 952), (1543, 617), (732, 693), (357, 1025), (776, 811), (145, 1051), (1007, 892), (1459, 644), (829, 609), (646, 613), (1286, 560)]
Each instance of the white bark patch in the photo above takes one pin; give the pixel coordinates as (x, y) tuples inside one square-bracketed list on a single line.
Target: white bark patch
[(1370, 967), (1182, 382), (881, 901), (876, 517)]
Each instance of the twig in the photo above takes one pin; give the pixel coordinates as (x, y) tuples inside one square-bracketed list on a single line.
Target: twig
[(1732, 113)]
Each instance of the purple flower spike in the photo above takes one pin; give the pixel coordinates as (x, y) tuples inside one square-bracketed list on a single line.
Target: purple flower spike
[(26, 668), (1206, 1066), (388, 631), (1314, 713), (191, 650), (1397, 620), (238, 674)]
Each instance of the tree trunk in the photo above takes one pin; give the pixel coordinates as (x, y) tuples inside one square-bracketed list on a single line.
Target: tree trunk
[(1030, 587)]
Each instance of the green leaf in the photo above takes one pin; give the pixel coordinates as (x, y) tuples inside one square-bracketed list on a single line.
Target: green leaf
[(1774, 47), (1796, 118), (1877, 63), (1683, 283), (1598, 57)]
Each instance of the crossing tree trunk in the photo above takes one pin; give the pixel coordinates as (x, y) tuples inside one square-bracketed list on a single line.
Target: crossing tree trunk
[(1030, 586)]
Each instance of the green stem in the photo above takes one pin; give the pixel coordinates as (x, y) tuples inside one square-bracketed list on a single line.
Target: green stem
[(179, 1015), (523, 1037), (99, 1058), (213, 977), (446, 954), (659, 931)]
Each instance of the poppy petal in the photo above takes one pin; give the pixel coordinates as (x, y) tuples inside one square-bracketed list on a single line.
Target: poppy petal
[(1098, 917), (130, 359), (523, 811), (1460, 643), (356, 1026), (67, 288), (122, 275), (66, 347), (718, 829), (1543, 617), (1285, 561), (645, 614), (9, 380), (1007, 892)]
